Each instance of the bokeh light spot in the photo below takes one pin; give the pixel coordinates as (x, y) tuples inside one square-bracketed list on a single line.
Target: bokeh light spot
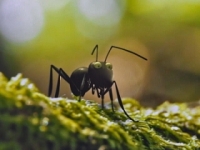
[(104, 13), (54, 4), (21, 20)]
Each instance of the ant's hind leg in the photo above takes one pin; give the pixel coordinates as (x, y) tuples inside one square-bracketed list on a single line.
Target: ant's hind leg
[(52, 67), (61, 73)]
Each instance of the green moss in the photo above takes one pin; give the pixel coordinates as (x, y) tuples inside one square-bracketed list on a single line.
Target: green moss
[(30, 120)]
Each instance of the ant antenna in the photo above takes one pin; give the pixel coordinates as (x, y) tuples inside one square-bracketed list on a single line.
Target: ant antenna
[(123, 50), (95, 48)]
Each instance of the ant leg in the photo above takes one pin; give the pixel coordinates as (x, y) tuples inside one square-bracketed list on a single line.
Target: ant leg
[(111, 98), (120, 102), (81, 88), (98, 93), (51, 80), (109, 89), (93, 90), (58, 85), (102, 93), (61, 73), (52, 67), (102, 98)]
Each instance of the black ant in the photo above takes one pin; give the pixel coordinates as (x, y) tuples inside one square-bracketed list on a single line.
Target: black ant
[(98, 76)]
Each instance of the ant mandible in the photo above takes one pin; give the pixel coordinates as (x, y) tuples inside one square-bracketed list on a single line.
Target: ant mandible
[(98, 77)]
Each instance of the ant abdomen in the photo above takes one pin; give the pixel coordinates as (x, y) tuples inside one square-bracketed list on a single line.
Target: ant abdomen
[(80, 81)]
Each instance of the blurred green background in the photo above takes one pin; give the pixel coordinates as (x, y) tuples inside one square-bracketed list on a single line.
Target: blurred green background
[(37, 33)]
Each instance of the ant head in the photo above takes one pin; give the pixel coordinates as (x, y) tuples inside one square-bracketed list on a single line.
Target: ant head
[(100, 73)]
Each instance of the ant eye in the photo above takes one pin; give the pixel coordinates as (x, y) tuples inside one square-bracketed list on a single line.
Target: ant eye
[(109, 66), (97, 65)]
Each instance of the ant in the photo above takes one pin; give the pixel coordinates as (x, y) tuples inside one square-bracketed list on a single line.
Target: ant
[(98, 77)]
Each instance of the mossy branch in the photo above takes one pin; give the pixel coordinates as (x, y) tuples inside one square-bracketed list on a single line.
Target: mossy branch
[(30, 120)]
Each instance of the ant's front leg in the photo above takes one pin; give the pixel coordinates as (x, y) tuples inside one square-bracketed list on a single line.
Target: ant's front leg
[(120, 101), (109, 89), (111, 98)]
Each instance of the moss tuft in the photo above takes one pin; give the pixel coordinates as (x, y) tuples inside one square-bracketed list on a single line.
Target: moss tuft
[(30, 120)]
